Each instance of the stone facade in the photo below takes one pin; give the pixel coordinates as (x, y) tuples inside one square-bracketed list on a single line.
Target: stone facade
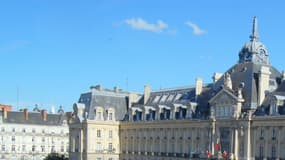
[(240, 115), (32, 135)]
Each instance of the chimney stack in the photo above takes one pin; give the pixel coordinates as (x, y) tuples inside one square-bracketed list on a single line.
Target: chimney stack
[(5, 109), (147, 91), (4, 113), (199, 86), (116, 89), (263, 84), (44, 115), (97, 87), (26, 113)]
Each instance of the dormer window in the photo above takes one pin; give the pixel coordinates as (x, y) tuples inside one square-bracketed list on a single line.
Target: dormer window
[(224, 111), (110, 116), (111, 113), (99, 113)]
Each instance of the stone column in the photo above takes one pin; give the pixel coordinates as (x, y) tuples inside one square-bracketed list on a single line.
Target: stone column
[(247, 142), (236, 142), (278, 154), (266, 137), (213, 136)]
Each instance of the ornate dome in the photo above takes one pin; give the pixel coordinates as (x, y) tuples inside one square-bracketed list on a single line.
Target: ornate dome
[(60, 110), (36, 109), (254, 51)]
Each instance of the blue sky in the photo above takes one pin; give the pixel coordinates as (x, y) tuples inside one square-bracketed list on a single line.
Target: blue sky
[(51, 51)]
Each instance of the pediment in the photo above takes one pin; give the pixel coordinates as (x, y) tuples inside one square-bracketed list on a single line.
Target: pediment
[(223, 96)]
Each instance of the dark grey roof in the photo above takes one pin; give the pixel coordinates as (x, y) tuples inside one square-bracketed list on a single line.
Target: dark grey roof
[(247, 73), (34, 118), (180, 95), (106, 99)]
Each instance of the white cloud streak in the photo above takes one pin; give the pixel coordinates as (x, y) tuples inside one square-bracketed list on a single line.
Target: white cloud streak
[(196, 29), (141, 24)]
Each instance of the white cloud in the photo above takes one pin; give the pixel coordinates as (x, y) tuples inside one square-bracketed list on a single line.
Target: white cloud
[(141, 24), (196, 30)]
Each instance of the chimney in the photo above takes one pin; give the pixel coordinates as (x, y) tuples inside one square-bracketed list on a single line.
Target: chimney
[(4, 113), (44, 115), (283, 75), (132, 99), (263, 84), (116, 89), (216, 76), (199, 86), (147, 91), (97, 87), (26, 113)]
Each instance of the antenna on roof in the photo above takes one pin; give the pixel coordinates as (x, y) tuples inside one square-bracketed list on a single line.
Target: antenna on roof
[(127, 84), (17, 105)]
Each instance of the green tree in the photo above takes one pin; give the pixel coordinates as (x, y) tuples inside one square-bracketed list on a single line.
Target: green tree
[(55, 156)]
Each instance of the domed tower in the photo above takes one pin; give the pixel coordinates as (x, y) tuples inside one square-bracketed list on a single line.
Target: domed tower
[(254, 51), (254, 71)]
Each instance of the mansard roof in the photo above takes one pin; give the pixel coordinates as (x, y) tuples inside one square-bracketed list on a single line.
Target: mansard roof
[(34, 118), (247, 74), (106, 99)]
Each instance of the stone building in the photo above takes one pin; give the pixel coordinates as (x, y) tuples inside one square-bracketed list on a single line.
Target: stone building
[(240, 115), (32, 135), (94, 129)]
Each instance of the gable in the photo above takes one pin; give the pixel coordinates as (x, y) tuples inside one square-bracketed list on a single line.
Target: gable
[(223, 96)]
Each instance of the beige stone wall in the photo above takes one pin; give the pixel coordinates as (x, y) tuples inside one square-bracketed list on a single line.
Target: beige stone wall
[(269, 134), (94, 139), (171, 138)]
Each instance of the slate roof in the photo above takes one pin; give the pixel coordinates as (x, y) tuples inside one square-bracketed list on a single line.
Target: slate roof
[(34, 118), (247, 73), (106, 99), (180, 95)]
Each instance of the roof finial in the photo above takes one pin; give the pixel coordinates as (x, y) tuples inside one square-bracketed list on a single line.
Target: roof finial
[(254, 35)]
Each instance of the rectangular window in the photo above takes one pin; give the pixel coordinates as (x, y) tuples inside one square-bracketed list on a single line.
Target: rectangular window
[(33, 130), (13, 148), (62, 148), (2, 129), (110, 147), (43, 148), (24, 130), (33, 148), (99, 133), (99, 115), (53, 149), (13, 139), (273, 133), (261, 132), (273, 152), (98, 147), (43, 139), (13, 129), (24, 148), (3, 148), (110, 116), (261, 151), (111, 134)]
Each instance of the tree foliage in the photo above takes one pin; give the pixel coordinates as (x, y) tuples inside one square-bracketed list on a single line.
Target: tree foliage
[(55, 156)]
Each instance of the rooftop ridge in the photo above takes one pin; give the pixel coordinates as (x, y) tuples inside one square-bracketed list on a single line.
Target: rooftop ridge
[(179, 88)]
